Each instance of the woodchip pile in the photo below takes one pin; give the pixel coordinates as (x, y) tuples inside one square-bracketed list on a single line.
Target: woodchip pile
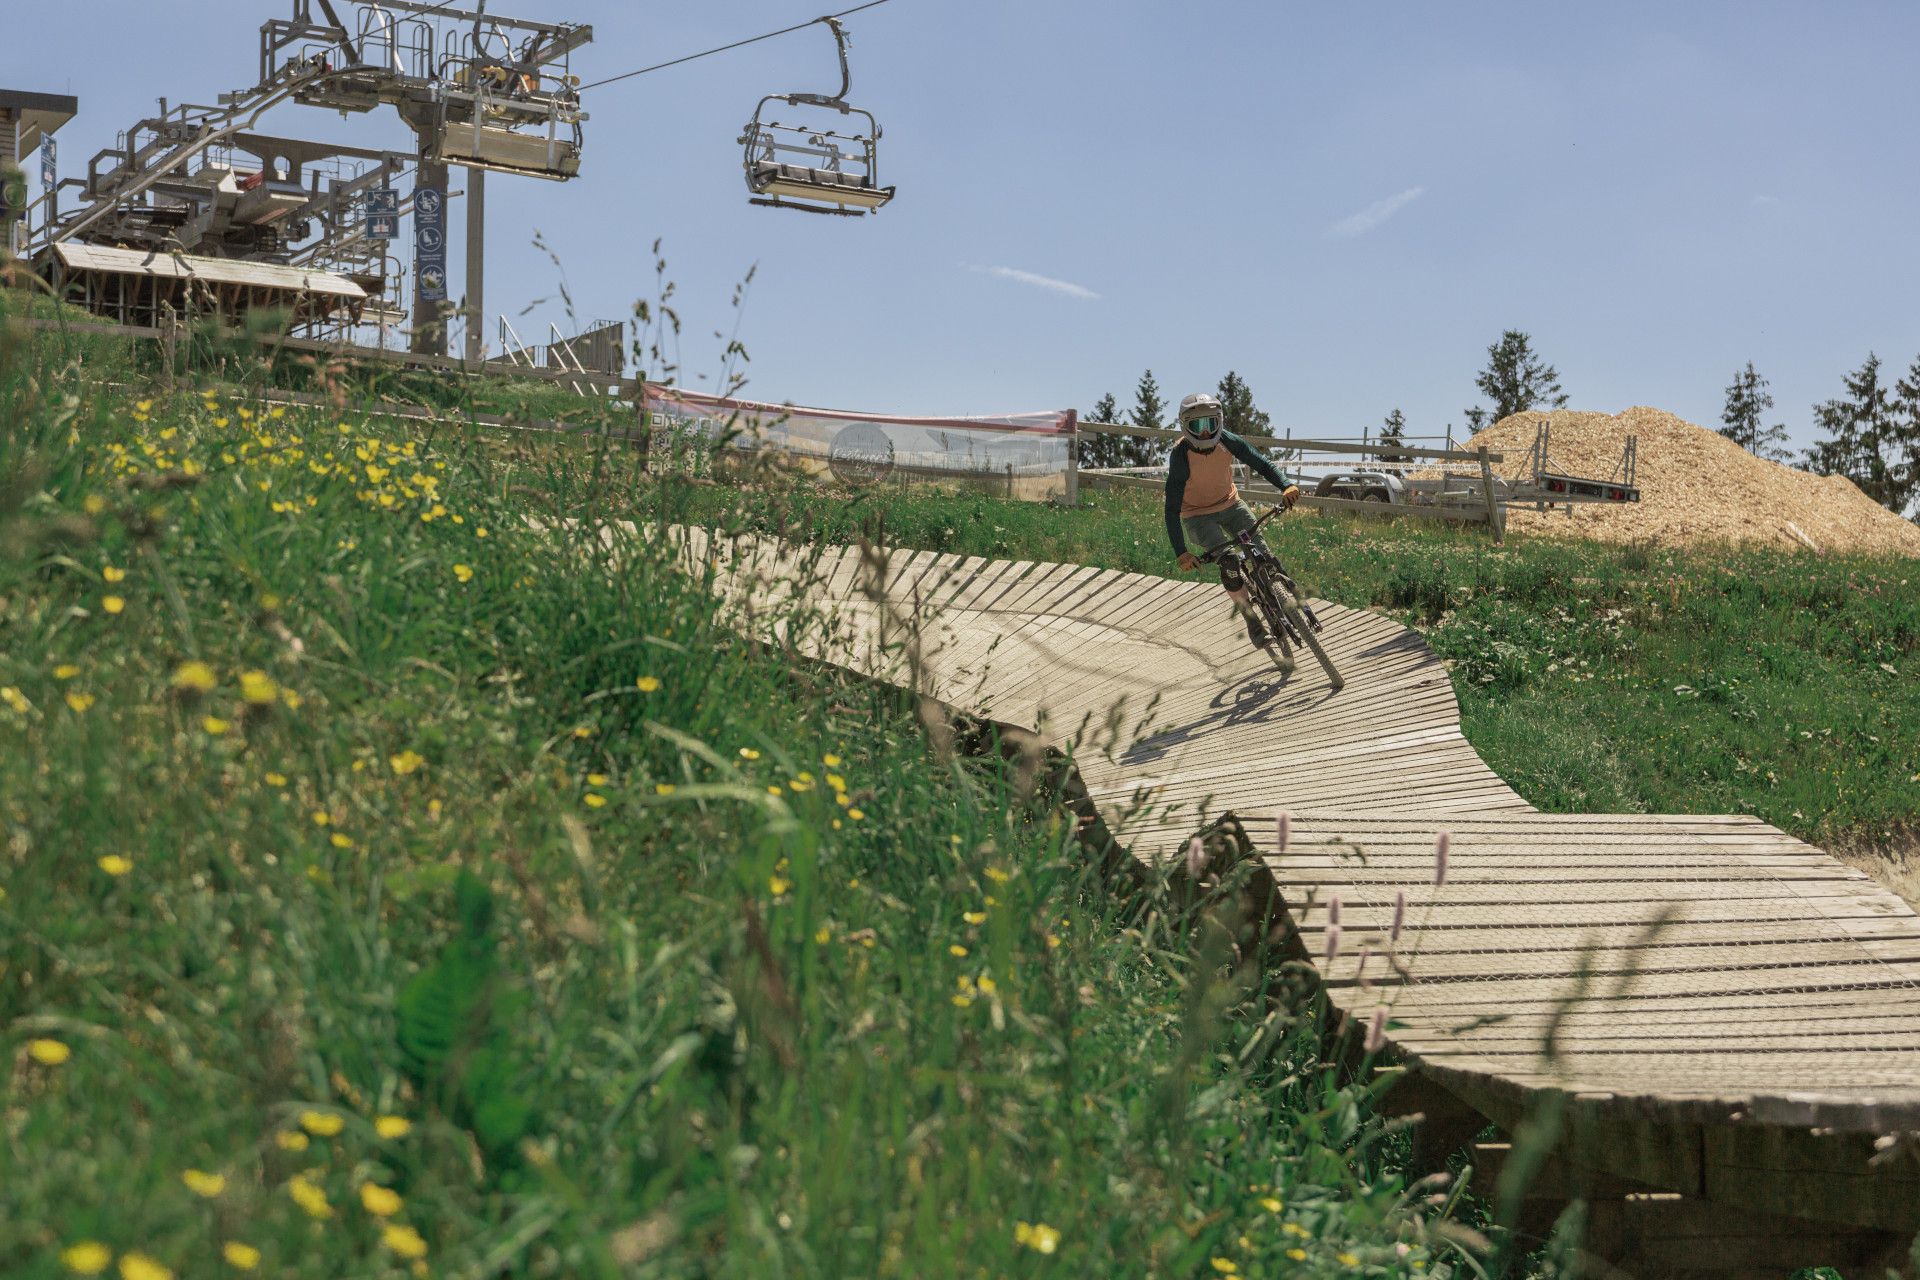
[(1696, 486)]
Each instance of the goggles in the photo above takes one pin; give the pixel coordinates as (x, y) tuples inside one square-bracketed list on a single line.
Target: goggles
[(1205, 428)]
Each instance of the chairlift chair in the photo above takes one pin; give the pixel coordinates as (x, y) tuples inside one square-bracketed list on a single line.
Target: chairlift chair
[(495, 113), (812, 169)]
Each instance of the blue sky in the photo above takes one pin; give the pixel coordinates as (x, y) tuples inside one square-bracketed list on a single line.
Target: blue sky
[(1344, 203)]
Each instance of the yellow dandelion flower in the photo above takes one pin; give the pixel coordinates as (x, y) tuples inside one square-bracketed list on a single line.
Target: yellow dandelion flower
[(291, 699), (48, 1053), (111, 573), (748, 753), (340, 841), (647, 684), (406, 761), (596, 779), (194, 677), (208, 1185), (998, 876), (836, 824), (115, 865), (773, 790), (15, 699), (290, 1140), (80, 702), (241, 1257), (321, 1124), (1053, 940), (663, 788), (595, 800), (86, 1257), (1225, 1266), (799, 785), (215, 726), (844, 800), (309, 1197), (974, 917), (392, 1126), (276, 779), (956, 950), (961, 1002), (258, 688), (112, 604), (1295, 1229), (321, 818), (831, 760), (93, 504), (1271, 1205), (855, 814), (381, 1202), (1298, 1255), (1040, 1237), (583, 731), (463, 572), (837, 782), (1346, 1259), (138, 1266), (987, 985), (65, 671), (404, 1240), (823, 935), (480, 532), (778, 886)]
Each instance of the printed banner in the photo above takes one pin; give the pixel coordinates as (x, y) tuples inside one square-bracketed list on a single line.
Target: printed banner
[(865, 448)]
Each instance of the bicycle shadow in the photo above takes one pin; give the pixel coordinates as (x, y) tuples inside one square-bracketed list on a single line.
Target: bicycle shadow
[(1257, 700)]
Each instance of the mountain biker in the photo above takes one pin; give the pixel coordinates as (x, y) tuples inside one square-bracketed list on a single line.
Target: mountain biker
[(1204, 504)]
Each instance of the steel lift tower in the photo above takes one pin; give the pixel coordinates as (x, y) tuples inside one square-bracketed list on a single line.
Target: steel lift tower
[(479, 90)]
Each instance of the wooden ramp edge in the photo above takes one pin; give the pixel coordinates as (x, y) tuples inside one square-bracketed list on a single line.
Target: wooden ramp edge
[(1724, 1011)]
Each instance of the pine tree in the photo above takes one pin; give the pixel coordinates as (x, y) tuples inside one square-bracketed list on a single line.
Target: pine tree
[(1392, 431), (1862, 440), (1747, 402), (1237, 411), (1516, 379)]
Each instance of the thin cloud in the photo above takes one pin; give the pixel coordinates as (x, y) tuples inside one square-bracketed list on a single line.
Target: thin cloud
[(1048, 283), (1375, 214)]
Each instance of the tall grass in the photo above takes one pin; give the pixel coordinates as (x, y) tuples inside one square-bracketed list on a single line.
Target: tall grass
[(400, 876)]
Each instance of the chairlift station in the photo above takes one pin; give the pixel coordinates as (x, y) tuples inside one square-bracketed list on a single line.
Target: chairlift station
[(195, 210)]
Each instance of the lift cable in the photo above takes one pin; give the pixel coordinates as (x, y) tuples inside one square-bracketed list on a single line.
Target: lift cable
[(735, 45)]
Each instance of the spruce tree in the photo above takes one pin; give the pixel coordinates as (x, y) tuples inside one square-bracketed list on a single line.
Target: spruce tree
[(1237, 411), (1861, 439), (1392, 431), (1906, 404), (1149, 410), (1099, 450), (1516, 379), (1747, 403)]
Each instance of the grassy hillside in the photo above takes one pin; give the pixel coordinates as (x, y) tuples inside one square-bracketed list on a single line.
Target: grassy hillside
[(1591, 677), (389, 887)]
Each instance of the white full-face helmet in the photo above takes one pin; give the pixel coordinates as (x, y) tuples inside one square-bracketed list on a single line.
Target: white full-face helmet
[(1200, 420)]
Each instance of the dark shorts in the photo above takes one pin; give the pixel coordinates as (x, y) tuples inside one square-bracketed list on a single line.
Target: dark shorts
[(1204, 533)]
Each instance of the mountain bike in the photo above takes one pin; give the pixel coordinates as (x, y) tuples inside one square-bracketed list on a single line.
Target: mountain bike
[(1290, 620)]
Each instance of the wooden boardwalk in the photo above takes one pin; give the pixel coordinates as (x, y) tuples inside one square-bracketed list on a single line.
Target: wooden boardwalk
[(1729, 1013)]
